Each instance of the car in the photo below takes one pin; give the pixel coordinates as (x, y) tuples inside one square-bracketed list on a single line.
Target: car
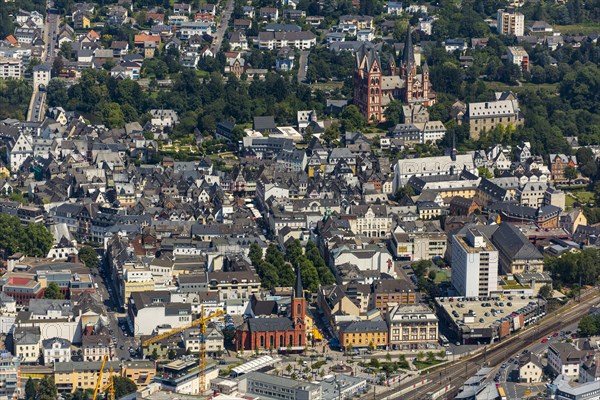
[(503, 366), (121, 347), (356, 357), (544, 340), (222, 362), (525, 351), (457, 343), (555, 334), (511, 360), (328, 358)]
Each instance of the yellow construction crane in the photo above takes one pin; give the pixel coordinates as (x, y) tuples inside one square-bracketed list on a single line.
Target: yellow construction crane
[(109, 388), (201, 323)]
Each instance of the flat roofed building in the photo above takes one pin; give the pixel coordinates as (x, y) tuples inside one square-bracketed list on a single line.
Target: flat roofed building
[(278, 387)]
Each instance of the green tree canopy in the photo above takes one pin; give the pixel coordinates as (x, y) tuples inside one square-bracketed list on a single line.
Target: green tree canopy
[(32, 239), (88, 256), (123, 386), (52, 291)]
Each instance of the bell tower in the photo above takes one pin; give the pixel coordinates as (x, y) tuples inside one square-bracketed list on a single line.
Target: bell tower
[(298, 313)]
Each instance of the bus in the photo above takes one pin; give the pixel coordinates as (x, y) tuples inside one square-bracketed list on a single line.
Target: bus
[(444, 341)]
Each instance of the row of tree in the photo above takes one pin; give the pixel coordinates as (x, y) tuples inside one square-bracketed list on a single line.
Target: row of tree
[(277, 269), (34, 240), (573, 268), (45, 389)]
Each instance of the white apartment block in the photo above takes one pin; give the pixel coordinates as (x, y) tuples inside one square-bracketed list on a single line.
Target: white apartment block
[(510, 22), (11, 68), (303, 40), (474, 264)]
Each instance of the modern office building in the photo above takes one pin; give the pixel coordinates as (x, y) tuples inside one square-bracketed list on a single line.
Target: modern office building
[(474, 264)]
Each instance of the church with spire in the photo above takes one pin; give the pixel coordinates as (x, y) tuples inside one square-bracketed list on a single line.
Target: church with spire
[(272, 327), (373, 90)]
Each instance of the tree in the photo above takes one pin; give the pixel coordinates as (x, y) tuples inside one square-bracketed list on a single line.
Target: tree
[(394, 113), (441, 354), (10, 233), (30, 389), (570, 173), (589, 325), (123, 386), (430, 356), (53, 292), (47, 389), (36, 240), (171, 354), (421, 267), (485, 173), (57, 93), (88, 256), (545, 291), (332, 133), (352, 119), (420, 356), (289, 368)]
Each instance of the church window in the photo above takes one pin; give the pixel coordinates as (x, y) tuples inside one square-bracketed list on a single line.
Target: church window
[(271, 342), (299, 309), (262, 341), (300, 340)]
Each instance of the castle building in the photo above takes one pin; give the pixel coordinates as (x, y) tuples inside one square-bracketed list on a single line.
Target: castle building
[(286, 333), (373, 91)]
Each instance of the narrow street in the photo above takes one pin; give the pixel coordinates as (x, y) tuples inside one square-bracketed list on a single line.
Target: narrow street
[(222, 28), (37, 104)]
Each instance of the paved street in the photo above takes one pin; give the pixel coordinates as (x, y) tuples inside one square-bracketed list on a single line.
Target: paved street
[(303, 65), (37, 104), (222, 28), (116, 320)]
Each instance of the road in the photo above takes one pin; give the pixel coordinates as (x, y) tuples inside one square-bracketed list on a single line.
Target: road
[(303, 65), (122, 338), (222, 28), (457, 373), (37, 104)]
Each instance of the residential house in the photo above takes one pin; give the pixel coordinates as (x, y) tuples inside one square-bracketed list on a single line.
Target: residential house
[(531, 369), (565, 359), (559, 163)]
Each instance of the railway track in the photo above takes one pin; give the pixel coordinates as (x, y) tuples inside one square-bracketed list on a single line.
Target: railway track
[(457, 373)]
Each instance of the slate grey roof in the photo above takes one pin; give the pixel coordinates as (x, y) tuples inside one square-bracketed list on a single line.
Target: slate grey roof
[(365, 326), (511, 242), (270, 324)]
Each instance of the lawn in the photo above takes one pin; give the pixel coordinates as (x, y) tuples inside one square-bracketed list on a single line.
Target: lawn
[(440, 277), (501, 86), (582, 196), (584, 29), (426, 364)]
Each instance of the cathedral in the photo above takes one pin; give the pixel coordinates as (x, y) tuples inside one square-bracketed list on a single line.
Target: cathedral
[(373, 91)]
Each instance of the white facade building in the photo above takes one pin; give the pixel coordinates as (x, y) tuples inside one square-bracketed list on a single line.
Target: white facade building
[(474, 264), (11, 68), (510, 22)]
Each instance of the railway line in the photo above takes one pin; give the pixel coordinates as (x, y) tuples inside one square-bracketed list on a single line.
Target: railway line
[(455, 374)]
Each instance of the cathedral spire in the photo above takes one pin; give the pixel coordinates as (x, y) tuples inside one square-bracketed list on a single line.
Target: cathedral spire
[(408, 54)]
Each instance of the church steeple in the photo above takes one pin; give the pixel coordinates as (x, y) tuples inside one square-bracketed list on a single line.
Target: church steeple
[(408, 54), (299, 291)]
